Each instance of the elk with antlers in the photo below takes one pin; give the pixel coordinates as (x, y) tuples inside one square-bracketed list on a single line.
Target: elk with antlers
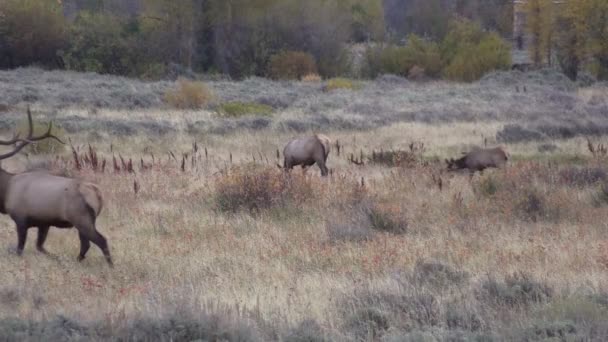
[(39, 199)]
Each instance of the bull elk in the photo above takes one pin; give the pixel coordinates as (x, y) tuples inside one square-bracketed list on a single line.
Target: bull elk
[(39, 199), (307, 151), (479, 159)]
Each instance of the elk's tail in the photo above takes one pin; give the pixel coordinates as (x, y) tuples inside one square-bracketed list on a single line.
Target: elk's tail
[(92, 196)]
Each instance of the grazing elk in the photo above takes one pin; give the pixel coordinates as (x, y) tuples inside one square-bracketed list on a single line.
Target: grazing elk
[(39, 199), (479, 159), (306, 151)]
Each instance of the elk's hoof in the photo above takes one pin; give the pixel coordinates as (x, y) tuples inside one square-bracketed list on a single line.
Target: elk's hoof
[(80, 258), (15, 251)]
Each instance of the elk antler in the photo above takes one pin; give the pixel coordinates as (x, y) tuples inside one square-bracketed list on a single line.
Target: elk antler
[(21, 143)]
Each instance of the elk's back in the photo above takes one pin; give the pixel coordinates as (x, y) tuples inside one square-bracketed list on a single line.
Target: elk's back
[(42, 196), (302, 149)]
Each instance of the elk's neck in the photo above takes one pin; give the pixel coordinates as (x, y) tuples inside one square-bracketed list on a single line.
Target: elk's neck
[(5, 178)]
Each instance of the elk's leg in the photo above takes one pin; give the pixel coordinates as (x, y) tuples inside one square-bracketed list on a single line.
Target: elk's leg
[(101, 242), (84, 246), (21, 237), (323, 168), (42, 233)]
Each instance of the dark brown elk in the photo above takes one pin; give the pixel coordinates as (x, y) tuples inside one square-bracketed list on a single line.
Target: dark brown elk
[(306, 151), (479, 159), (39, 199)]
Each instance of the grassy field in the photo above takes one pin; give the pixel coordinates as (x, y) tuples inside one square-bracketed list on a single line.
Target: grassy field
[(229, 248)]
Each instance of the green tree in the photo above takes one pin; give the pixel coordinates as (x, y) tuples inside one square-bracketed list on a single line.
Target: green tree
[(597, 35), (582, 37), (99, 43), (170, 29), (539, 24), (31, 31)]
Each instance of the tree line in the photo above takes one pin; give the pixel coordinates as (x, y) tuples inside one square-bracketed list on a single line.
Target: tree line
[(269, 38), (573, 34)]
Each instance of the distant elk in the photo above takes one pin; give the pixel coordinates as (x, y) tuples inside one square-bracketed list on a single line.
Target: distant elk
[(479, 159), (306, 151), (39, 199)]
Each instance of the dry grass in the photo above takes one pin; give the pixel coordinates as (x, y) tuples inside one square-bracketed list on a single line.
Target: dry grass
[(217, 238), (280, 256)]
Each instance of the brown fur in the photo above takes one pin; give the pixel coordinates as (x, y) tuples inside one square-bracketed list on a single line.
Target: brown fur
[(92, 195), (479, 159), (326, 141), (306, 151), (39, 199)]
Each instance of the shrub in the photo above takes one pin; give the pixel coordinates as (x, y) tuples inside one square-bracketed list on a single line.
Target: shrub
[(395, 158), (550, 331), (578, 309), (487, 186), (576, 318), (514, 133), (9, 296), (469, 53), (46, 146), (349, 228), (255, 189), (306, 331), (236, 109), (517, 290), (375, 313), (189, 95), (600, 196), (438, 275), (583, 176), (402, 60), (204, 327), (367, 324), (312, 78), (460, 317), (292, 65), (387, 218), (341, 83), (531, 205)]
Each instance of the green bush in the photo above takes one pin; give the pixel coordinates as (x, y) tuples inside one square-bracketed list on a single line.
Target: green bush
[(31, 31), (341, 83), (468, 52), (236, 109), (292, 65), (401, 60)]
